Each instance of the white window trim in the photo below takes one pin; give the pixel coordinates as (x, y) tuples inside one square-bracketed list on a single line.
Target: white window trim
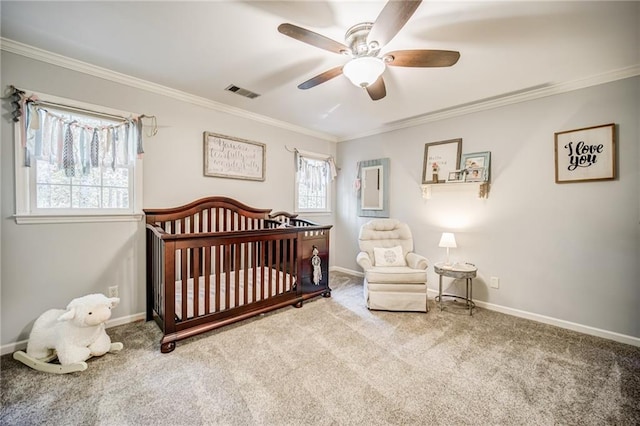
[(319, 212), (24, 214)]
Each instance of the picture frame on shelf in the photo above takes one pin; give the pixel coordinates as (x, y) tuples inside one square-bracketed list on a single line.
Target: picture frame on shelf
[(586, 154), (440, 158), (477, 159), (475, 174), (456, 176)]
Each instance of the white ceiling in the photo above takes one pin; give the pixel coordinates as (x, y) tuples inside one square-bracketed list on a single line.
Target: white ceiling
[(202, 47)]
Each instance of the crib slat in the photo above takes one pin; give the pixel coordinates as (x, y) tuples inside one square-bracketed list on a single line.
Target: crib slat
[(261, 265), (217, 249), (292, 262), (285, 264), (207, 279), (264, 259), (214, 220), (184, 276), (270, 265), (254, 269), (245, 267), (236, 273), (169, 287), (279, 247), (227, 274), (195, 273), (155, 270)]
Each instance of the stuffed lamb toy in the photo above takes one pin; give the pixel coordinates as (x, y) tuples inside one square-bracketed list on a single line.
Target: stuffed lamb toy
[(75, 334)]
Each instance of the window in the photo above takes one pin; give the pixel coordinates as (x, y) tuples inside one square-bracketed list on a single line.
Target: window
[(76, 164), (314, 173)]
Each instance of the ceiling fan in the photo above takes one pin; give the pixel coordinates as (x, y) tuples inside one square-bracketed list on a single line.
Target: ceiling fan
[(363, 43)]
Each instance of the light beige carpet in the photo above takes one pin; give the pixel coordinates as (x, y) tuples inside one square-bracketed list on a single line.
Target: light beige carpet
[(333, 362)]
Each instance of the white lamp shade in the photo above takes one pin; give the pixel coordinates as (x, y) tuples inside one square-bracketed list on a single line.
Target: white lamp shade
[(448, 240), (364, 71)]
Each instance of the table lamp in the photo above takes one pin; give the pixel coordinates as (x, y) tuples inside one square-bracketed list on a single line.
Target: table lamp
[(447, 240)]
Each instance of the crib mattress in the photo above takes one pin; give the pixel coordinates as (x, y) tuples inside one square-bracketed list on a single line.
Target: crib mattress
[(266, 282)]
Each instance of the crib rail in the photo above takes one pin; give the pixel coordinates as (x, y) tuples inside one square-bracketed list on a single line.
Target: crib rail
[(212, 214)]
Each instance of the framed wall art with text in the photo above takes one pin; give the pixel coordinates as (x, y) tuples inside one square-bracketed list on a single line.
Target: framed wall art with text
[(229, 157), (586, 154), (440, 158)]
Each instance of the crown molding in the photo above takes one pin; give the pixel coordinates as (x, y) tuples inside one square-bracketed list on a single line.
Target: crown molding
[(41, 55), (537, 92), (503, 100)]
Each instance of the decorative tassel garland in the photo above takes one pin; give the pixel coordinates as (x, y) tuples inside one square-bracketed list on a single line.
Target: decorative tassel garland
[(95, 145), (68, 160), (17, 102), (82, 145), (140, 151), (53, 136)]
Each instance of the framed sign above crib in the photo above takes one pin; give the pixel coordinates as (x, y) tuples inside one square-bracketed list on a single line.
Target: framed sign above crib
[(229, 157)]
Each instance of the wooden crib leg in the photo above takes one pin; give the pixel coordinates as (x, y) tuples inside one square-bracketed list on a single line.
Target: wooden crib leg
[(167, 347)]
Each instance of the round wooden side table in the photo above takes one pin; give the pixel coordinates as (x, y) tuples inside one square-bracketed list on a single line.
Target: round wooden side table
[(465, 271)]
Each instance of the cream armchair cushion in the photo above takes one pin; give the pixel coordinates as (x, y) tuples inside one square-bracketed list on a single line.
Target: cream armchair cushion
[(388, 256), (393, 288)]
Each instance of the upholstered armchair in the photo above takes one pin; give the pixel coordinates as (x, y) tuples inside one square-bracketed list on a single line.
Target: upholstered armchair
[(395, 278)]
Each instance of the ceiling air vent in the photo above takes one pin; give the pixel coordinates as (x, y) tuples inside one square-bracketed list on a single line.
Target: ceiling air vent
[(242, 92)]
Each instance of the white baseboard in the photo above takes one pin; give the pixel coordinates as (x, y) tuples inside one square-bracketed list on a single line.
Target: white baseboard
[(346, 271), (22, 344), (126, 320), (585, 329)]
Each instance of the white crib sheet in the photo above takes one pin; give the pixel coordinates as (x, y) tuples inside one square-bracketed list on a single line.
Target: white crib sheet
[(281, 282)]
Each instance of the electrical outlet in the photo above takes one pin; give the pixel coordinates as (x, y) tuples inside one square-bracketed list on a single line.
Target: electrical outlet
[(113, 291), (495, 282)]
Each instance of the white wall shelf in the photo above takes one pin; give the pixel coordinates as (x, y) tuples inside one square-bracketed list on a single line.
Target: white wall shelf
[(480, 188)]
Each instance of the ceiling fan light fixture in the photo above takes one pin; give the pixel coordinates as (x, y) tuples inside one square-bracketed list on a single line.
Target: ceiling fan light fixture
[(364, 71)]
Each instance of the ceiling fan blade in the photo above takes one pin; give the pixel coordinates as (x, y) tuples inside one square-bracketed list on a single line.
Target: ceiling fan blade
[(422, 58), (321, 78), (314, 39), (377, 90), (392, 18)]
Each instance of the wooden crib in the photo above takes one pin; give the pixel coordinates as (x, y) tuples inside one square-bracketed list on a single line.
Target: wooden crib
[(217, 261)]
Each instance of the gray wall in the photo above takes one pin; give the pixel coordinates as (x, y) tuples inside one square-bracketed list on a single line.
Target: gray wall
[(566, 251), (45, 266)]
